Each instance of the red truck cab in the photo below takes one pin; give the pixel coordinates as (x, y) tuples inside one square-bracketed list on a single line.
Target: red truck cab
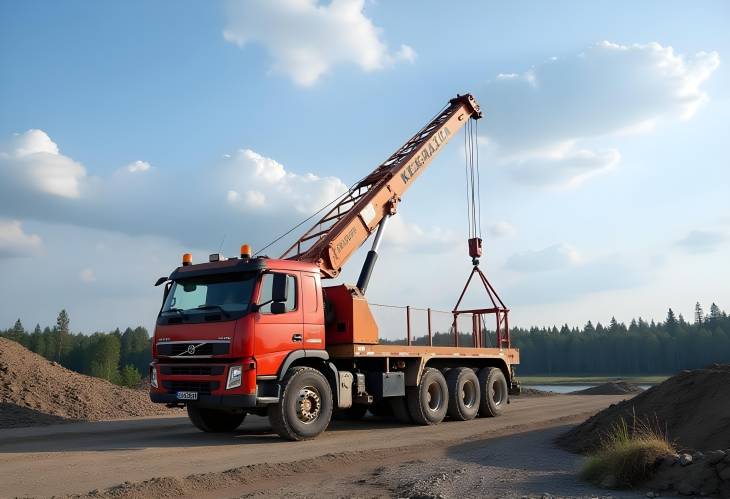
[(220, 336)]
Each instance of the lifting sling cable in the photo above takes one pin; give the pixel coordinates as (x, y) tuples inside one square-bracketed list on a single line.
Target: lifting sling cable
[(473, 194), (473, 188)]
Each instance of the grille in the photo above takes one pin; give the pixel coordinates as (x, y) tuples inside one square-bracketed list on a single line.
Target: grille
[(192, 370), (202, 387), (201, 348)]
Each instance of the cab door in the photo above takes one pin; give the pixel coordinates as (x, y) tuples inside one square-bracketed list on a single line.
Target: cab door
[(275, 335), (313, 311)]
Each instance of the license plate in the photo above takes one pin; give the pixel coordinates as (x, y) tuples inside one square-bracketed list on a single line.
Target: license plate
[(187, 395)]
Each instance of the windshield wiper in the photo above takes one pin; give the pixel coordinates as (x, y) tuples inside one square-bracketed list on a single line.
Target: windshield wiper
[(174, 310), (214, 307)]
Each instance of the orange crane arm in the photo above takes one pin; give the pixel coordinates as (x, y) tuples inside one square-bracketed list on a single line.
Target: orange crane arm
[(331, 241)]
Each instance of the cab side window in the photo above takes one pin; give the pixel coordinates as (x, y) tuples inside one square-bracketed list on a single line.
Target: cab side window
[(265, 295)]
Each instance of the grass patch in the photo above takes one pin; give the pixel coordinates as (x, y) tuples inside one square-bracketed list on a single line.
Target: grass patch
[(627, 455)]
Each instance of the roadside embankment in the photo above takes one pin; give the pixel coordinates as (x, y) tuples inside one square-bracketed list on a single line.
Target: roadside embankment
[(689, 411), (610, 388), (691, 408), (35, 391)]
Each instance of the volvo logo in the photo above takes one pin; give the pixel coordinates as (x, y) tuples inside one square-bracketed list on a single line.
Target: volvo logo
[(191, 349)]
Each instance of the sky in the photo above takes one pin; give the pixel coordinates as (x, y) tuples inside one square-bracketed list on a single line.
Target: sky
[(131, 132)]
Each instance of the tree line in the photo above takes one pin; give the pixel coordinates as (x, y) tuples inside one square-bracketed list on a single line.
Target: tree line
[(121, 357), (641, 348)]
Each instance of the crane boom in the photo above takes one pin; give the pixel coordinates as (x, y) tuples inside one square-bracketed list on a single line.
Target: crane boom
[(331, 241)]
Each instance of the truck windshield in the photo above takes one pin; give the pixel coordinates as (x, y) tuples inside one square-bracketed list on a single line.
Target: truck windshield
[(225, 294)]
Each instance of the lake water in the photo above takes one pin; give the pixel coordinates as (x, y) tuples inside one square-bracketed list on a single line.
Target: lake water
[(569, 388)]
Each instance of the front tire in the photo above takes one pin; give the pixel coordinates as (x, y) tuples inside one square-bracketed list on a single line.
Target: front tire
[(495, 395), (464, 398), (428, 402), (305, 408), (214, 420)]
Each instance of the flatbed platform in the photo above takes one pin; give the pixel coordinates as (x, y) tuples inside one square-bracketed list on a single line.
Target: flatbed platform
[(509, 355)]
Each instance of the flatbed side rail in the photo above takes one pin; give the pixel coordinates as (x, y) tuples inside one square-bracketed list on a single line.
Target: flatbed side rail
[(433, 327)]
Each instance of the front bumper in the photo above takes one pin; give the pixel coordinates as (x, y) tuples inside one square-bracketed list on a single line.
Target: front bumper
[(213, 401), (208, 380)]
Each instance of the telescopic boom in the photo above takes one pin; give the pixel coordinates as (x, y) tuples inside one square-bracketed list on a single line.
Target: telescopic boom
[(331, 241)]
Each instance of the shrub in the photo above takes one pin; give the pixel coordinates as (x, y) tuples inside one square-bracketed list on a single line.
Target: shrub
[(129, 376), (628, 455)]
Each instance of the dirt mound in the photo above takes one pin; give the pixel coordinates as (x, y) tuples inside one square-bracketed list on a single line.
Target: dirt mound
[(526, 391), (610, 388), (692, 408), (35, 391)]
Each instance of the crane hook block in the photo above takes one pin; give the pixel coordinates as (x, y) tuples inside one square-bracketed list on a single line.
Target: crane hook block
[(475, 248)]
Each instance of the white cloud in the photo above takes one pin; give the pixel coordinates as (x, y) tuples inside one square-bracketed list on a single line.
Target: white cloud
[(566, 167), (402, 235), (306, 38), (215, 200), (261, 182), (32, 161), (87, 275), (702, 240), (555, 257), (501, 229), (138, 166), (14, 242), (406, 53), (538, 119)]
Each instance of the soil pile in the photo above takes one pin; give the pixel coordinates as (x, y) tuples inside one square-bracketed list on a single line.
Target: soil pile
[(610, 388), (36, 391), (526, 391), (691, 408)]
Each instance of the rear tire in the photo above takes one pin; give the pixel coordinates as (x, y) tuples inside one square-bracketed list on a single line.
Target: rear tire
[(214, 420), (464, 393), (428, 402), (305, 408), (494, 391)]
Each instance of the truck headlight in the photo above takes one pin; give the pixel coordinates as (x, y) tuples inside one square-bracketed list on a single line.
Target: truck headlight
[(153, 377), (234, 377)]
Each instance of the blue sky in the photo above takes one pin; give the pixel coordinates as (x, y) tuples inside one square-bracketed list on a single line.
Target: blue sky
[(149, 128)]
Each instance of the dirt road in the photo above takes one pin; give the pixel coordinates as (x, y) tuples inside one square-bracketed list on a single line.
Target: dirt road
[(78, 458)]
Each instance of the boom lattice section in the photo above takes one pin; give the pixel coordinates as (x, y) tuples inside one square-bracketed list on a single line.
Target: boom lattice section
[(348, 224)]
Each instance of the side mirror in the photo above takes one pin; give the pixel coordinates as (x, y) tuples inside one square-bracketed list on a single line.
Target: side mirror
[(278, 307), (160, 281), (279, 289)]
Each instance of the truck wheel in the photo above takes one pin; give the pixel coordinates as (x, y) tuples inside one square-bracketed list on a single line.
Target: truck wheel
[(399, 409), (464, 397), (305, 408), (494, 391), (214, 420), (427, 402)]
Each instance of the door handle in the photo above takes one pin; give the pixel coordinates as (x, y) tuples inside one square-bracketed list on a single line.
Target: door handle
[(296, 337)]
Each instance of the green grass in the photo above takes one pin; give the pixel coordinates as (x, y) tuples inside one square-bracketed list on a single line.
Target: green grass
[(627, 455), (569, 380)]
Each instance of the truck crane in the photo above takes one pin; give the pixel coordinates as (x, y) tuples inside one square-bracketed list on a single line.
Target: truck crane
[(260, 335)]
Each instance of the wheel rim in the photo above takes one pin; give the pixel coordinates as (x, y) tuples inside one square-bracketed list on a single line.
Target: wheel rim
[(469, 394), (434, 397), (498, 393), (309, 404)]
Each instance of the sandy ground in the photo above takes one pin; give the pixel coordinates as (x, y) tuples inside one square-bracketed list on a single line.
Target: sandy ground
[(81, 457), (515, 466)]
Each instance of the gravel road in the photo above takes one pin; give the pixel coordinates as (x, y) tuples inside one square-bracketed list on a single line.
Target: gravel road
[(178, 460)]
